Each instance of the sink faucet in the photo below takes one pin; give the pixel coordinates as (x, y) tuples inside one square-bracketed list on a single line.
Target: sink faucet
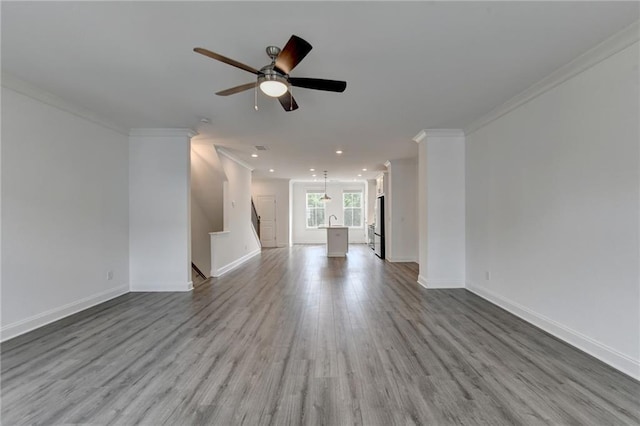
[(333, 215)]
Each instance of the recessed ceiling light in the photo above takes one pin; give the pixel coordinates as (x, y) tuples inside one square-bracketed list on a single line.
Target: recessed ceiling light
[(338, 152), (364, 170), (359, 175), (271, 170), (254, 155), (313, 175), (312, 170)]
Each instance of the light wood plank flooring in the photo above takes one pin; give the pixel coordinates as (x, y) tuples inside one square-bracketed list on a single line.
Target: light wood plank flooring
[(295, 338)]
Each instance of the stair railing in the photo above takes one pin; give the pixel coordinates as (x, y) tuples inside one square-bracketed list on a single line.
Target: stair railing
[(198, 271), (255, 219)]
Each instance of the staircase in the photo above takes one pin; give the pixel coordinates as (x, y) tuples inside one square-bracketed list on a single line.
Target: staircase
[(197, 277), (255, 219)]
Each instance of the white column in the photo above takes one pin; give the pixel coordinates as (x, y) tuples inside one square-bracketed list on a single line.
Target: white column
[(401, 241), (441, 208), (159, 210)]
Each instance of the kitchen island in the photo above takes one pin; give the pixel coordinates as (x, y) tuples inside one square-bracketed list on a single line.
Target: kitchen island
[(337, 240)]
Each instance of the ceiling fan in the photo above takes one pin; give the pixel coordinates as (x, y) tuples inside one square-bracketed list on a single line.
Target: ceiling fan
[(273, 79)]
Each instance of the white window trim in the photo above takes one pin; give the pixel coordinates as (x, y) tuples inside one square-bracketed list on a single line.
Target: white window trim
[(354, 191), (306, 207)]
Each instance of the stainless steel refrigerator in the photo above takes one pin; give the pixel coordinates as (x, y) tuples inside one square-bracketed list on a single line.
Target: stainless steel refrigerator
[(378, 234)]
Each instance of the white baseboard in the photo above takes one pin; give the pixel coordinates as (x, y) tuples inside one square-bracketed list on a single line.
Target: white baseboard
[(604, 353), (436, 284), (160, 286), (323, 242), (402, 259), (309, 242), (230, 266), (422, 281), (15, 329)]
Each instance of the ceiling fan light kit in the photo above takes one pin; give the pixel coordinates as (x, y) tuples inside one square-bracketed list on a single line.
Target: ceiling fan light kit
[(273, 79), (273, 85)]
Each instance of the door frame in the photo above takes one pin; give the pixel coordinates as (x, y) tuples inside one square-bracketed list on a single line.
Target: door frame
[(275, 215)]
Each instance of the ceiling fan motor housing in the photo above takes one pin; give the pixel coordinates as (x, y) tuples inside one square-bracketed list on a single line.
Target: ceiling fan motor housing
[(271, 73)]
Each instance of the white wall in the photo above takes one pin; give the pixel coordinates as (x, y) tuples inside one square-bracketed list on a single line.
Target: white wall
[(200, 241), (441, 200), (303, 235), (280, 189), (371, 201), (207, 178), (239, 242), (65, 213), (401, 233), (553, 211), (159, 210)]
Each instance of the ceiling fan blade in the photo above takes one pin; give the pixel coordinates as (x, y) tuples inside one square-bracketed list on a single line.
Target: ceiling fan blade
[(288, 102), (319, 84), (293, 52), (224, 59), (237, 89)]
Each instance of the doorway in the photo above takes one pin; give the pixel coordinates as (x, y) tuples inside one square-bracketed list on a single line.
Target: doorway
[(267, 210)]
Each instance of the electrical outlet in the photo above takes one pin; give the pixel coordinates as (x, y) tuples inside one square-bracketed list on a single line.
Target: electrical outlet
[(110, 275), (487, 275)]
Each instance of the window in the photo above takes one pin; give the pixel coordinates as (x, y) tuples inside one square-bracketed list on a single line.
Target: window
[(352, 205), (315, 209)]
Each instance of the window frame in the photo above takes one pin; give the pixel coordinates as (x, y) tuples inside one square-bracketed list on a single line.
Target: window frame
[(322, 207), (361, 207)]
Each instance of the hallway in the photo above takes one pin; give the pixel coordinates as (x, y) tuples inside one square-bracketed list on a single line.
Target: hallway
[(294, 337)]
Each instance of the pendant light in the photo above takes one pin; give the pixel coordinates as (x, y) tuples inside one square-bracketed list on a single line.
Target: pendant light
[(325, 197)]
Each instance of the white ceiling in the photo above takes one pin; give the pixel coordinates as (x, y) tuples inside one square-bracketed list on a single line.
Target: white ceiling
[(408, 66)]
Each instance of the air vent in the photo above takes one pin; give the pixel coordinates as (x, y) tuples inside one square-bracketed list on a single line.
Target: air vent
[(261, 147)]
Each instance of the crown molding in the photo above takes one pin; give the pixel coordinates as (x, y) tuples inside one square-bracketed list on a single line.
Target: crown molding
[(19, 86), (233, 158), (420, 136), (160, 132), (280, 180), (346, 182), (590, 58), (401, 161), (437, 133)]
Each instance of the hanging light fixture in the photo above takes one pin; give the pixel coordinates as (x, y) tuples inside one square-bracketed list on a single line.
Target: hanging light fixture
[(325, 197)]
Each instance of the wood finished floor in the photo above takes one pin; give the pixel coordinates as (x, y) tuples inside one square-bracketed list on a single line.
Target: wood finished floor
[(296, 338)]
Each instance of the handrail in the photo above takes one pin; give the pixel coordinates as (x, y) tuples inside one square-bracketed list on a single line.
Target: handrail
[(255, 219), (198, 271)]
